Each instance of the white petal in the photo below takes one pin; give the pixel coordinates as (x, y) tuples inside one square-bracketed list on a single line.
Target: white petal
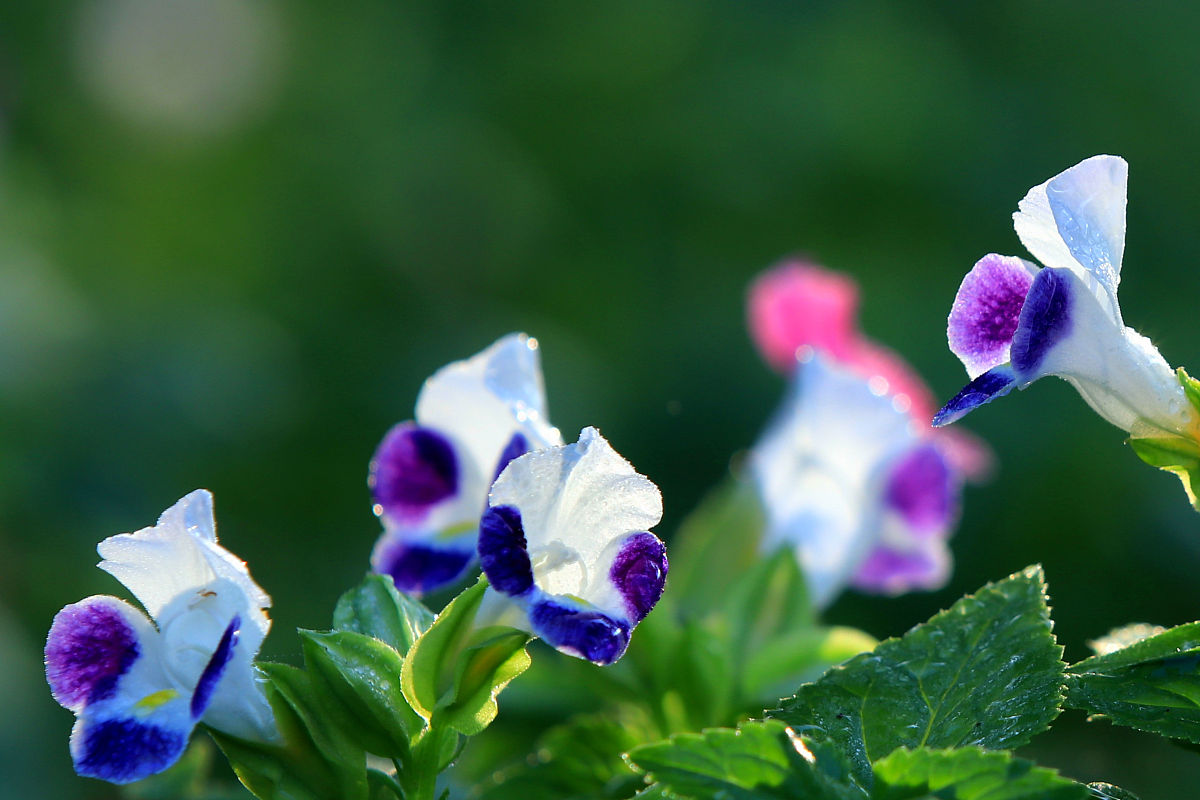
[(820, 467), (1076, 221), (482, 401), (1120, 374), (575, 501)]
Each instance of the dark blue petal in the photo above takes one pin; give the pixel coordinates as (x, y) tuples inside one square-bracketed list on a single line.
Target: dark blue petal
[(124, 750), (503, 552), (1045, 319), (639, 572), (996, 382), (517, 446), (585, 633), (413, 469), (923, 489), (215, 668), (90, 646), (420, 568)]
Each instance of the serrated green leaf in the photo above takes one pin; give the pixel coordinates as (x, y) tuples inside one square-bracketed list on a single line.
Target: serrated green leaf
[(985, 672), (326, 720), (375, 608), (483, 670), (431, 667), (294, 770), (716, 543), (758, 760), (968, 773), (1153, 685), (364, 673), (1106, 791)]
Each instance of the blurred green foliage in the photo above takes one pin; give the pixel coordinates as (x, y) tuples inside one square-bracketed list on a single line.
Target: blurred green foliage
[(235, 237)]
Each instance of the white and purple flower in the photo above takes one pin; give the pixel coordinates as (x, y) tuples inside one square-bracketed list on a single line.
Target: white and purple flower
[(1013, 323), (138, 687), (429, 478), (567, 550), (861, 492)]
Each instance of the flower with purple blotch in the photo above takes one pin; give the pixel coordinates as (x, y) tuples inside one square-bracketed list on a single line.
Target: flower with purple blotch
[(854, 486), (1013, 322), (429, 478), (567, 550), (137, 686)]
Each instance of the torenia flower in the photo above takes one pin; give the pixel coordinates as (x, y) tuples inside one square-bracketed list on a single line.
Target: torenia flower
[(429, 478), (858, 489), (137, 686), (1013, 323), (567, 550)]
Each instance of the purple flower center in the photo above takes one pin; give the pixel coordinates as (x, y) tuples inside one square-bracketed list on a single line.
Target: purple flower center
[(413, 469), (89, 647)]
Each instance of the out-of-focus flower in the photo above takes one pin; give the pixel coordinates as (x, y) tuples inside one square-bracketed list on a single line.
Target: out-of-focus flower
[(137, 686), (863, 494), (1013, 323), (567, 550), (429, 478), (797, 305)]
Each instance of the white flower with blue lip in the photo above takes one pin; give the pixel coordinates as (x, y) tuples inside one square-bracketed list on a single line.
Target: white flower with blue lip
[(137, 686), (853, 486), (567, 549), (429, 478), (1013, 323)]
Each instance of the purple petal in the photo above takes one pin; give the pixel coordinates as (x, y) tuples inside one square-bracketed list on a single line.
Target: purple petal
[(588, 634), (413, 469), (996, 382), (923, 489), (517, 446), (888, 571), (1045, 319), (503, 552), (124, 750), (639, 572), (215, 668), (90, 646), (419, 568), (985, 312)]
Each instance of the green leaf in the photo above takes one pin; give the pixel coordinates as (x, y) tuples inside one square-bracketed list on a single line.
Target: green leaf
[(364, 674), (801, 655), (375, 608), (576, 760), (484, 669), (985, 672), (968, 773), (1153, 685), (295, 770), (759, 760), (717, 543), (1173, 454), (1191, 387), (429, 669), (768, 601), (1106, 791), (327, 722)]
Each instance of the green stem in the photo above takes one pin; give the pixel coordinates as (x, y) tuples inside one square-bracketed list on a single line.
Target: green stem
[(420, 782)]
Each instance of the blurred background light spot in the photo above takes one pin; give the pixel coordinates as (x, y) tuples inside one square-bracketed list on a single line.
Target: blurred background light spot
[(186, 69)]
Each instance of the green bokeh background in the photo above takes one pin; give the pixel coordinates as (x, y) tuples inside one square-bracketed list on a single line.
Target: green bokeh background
[(235, 238)]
